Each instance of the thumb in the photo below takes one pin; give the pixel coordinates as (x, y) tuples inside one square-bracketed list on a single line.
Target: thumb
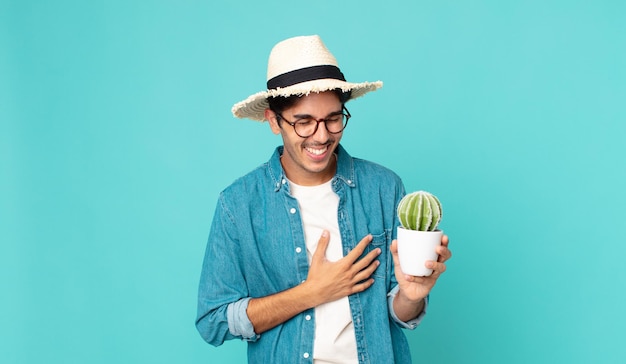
[(394, 253), (322, 245)]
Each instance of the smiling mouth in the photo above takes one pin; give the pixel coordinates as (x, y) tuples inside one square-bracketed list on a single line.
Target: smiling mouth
[(317, 151)]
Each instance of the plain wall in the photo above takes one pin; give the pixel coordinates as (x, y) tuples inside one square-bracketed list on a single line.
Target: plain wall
[(116, 137)]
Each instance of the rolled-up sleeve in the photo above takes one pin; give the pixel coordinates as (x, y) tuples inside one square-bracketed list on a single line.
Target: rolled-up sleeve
[(411, 324), (222, 295), (238, 322)]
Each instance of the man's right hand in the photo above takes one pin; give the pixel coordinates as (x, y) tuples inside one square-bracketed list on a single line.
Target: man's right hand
[(334, 280), (327, 281)]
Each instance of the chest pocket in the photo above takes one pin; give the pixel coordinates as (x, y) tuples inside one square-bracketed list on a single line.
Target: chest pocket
[(380, 241)]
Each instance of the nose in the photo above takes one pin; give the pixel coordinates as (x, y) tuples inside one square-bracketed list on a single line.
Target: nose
[(321, 134)]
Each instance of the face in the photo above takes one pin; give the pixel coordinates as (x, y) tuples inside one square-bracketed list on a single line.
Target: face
[(308, 161)]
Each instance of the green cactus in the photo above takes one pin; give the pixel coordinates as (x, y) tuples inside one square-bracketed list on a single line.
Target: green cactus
[(420, 211)]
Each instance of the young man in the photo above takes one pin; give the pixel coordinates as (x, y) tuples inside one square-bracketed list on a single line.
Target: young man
[(301, 261)]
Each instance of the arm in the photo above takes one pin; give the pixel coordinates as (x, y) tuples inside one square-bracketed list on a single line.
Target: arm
[(407, 309), (409, 302), (327, 281), (222, 294)]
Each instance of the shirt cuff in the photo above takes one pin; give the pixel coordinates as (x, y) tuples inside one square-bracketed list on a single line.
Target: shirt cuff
[(239, 324), (411, 324)]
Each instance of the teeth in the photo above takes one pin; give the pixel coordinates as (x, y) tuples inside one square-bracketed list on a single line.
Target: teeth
[(316, 151)]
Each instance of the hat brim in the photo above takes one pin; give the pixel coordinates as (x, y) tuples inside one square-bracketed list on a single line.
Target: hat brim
[(254, 106)]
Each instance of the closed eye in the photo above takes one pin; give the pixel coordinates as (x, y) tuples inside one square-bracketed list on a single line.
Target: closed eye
[(305, 122), (310, 117)]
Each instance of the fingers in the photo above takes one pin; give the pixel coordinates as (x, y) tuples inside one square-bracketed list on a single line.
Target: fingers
[(343, 277), (365, 267), (359, 248), (362, 269), (367, 271), (360, 287), (443, 251), (365, 262), (444, 254), (437, 267), (394, 253), (394, 247), (322, 245)]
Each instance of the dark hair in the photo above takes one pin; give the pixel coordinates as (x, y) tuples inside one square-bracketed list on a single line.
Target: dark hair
[(278, 104)]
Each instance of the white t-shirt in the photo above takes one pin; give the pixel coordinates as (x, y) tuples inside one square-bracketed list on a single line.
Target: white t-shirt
[(335, 340)]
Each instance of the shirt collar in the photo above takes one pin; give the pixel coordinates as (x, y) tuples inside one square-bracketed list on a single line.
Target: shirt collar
[(345, 169)]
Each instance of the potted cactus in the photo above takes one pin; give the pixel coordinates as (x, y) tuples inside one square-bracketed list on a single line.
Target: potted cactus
[(419, 214)]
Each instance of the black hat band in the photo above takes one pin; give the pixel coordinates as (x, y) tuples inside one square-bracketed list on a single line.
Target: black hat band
[(305, 74)]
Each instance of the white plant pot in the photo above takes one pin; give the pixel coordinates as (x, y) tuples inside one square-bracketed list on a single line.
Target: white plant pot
[(415, 248)]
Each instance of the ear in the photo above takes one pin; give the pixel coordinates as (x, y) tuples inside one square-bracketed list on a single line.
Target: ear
[(270, 116)]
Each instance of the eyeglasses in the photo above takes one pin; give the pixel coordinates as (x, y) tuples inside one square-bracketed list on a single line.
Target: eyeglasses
[(308, 126)]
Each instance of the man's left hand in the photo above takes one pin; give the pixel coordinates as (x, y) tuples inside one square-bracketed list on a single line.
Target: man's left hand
[(417, 288)]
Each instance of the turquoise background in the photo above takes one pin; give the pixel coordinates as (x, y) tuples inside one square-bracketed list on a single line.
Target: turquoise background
[(116, 138)]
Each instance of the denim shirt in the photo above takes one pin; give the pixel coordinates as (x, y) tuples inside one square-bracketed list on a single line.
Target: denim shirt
[(256, 248)]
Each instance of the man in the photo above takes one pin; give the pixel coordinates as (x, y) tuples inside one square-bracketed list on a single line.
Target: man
[(301, 261)]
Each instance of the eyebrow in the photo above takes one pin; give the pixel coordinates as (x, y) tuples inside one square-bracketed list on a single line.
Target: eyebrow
[(309, 116)]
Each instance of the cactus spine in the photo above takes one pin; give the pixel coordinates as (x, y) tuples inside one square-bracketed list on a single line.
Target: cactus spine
[(420, 211)]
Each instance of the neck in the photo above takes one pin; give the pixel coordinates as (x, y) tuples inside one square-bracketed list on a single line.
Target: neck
[(308, 178)]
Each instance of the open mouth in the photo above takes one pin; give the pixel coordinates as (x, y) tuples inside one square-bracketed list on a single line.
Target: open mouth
[(317, 151)]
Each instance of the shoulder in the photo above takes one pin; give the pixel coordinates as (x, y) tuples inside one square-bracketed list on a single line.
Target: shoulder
[(371, 170), (249, 182), (263, 178), (364, 170)]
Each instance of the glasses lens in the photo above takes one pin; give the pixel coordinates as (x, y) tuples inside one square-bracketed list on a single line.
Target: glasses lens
[(334, 124), (305, 127)]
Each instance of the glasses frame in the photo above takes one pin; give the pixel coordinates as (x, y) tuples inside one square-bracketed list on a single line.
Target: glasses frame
[(344, 112)]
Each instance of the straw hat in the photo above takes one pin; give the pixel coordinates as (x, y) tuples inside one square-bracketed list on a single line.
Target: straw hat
[(299, 66)]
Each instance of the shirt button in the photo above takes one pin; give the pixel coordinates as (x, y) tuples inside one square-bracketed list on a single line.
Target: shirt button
[(293, 210), (349, 182), (284, 181), (306, 355), (307, 317), (298, 250)]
